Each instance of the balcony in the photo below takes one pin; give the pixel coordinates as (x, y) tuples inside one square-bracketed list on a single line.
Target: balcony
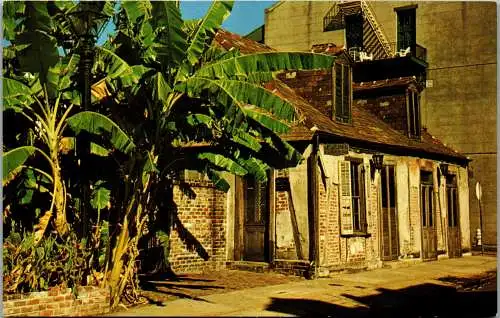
[(417, 51)]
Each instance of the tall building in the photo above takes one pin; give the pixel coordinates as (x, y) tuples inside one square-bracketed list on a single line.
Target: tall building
[(454, 46)]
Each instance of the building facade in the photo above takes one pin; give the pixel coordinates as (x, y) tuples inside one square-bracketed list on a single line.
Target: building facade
[(455, 41), (373, 185)]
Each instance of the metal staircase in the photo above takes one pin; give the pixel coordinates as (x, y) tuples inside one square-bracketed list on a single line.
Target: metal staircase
[(374, 40), (371, 22)]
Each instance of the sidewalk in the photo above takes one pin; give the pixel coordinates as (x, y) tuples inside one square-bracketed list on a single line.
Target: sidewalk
[(423, 289)]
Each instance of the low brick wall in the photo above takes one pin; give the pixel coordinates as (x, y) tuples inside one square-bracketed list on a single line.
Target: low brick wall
[(292, 267), (91, 301)]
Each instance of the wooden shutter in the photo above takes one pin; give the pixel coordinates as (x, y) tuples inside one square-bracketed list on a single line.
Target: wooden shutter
[(346, 85), (365, 190), (338, 90), (346, 222), (416, 113)]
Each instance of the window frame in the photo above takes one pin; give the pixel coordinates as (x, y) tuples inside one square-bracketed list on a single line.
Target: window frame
[(413, 114), (358, 177), (409, 12), (342, 111), (427, 200)]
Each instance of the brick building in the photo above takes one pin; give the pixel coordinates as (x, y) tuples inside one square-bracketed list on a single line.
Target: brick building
[(455, 41), (373, 186)]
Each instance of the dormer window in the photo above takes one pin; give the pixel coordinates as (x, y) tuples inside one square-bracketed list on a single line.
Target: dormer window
[(413, 106), (342, 93)]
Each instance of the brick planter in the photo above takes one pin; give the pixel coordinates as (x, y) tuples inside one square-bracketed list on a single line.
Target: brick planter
[(58, 302)]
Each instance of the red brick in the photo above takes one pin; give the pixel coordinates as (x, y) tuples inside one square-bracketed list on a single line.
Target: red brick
[(33, 301), (59, 298), (47, 312)]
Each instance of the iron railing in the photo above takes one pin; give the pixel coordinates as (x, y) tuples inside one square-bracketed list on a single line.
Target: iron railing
[(417, 51)]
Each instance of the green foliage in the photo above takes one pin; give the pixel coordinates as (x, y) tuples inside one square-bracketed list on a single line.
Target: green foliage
[(28, 267), (101, 196), (13, 160), (96, 123)]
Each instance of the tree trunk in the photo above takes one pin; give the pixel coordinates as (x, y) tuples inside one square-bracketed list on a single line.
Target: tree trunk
[(59, 199)]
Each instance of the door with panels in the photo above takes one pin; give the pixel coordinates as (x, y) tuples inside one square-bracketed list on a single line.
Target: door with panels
[(427, 207), (255, 220)]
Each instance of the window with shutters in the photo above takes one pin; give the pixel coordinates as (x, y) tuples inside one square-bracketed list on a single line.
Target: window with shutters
[(353, 201), (342, 92), (413, 106)]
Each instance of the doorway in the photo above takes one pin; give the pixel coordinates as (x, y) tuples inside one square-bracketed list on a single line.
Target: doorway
[(390, 237), (252, 220), (429, 235)]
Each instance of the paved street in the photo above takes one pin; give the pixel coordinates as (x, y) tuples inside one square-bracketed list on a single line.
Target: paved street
[(448, 287)]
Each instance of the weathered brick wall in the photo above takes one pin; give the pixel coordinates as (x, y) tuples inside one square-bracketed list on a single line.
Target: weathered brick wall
[(414, 208), (373, 242), (391, 109), (329, 227), (336, 250), (91, 301), (313, 86), (202, 231)]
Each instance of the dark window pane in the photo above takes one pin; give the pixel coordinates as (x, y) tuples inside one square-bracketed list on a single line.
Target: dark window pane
[(406, 29), (355, 213), (250, 200), (416, 106), (338, 90), (346, 95), (354, 30), (354, 179)]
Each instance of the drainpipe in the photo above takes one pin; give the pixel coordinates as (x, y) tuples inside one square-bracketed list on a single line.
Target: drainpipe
[(315, 204)]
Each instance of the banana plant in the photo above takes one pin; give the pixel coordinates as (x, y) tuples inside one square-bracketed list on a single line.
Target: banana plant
[(40, 85), (183, 89)]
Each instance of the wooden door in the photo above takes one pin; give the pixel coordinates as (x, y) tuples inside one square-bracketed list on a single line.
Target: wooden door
[(454, 240), (429, 235), (390, 237), (255, 226)]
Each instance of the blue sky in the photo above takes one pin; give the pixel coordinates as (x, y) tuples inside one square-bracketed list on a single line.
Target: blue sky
[(245, 17)]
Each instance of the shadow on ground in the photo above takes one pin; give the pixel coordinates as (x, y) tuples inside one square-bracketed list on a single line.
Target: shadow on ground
[(424, 300)]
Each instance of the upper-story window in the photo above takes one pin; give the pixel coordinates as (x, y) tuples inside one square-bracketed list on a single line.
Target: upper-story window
[(413, 107), (343, 94), (407, 32), (354, 31)]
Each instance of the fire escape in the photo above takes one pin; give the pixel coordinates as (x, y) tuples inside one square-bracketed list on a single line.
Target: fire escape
[(370, 39), (367, 43)]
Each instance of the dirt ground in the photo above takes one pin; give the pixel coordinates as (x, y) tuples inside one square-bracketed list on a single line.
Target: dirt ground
[(192, 286)]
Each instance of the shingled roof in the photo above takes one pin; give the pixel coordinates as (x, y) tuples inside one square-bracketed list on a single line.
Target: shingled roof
[(365, 127)]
